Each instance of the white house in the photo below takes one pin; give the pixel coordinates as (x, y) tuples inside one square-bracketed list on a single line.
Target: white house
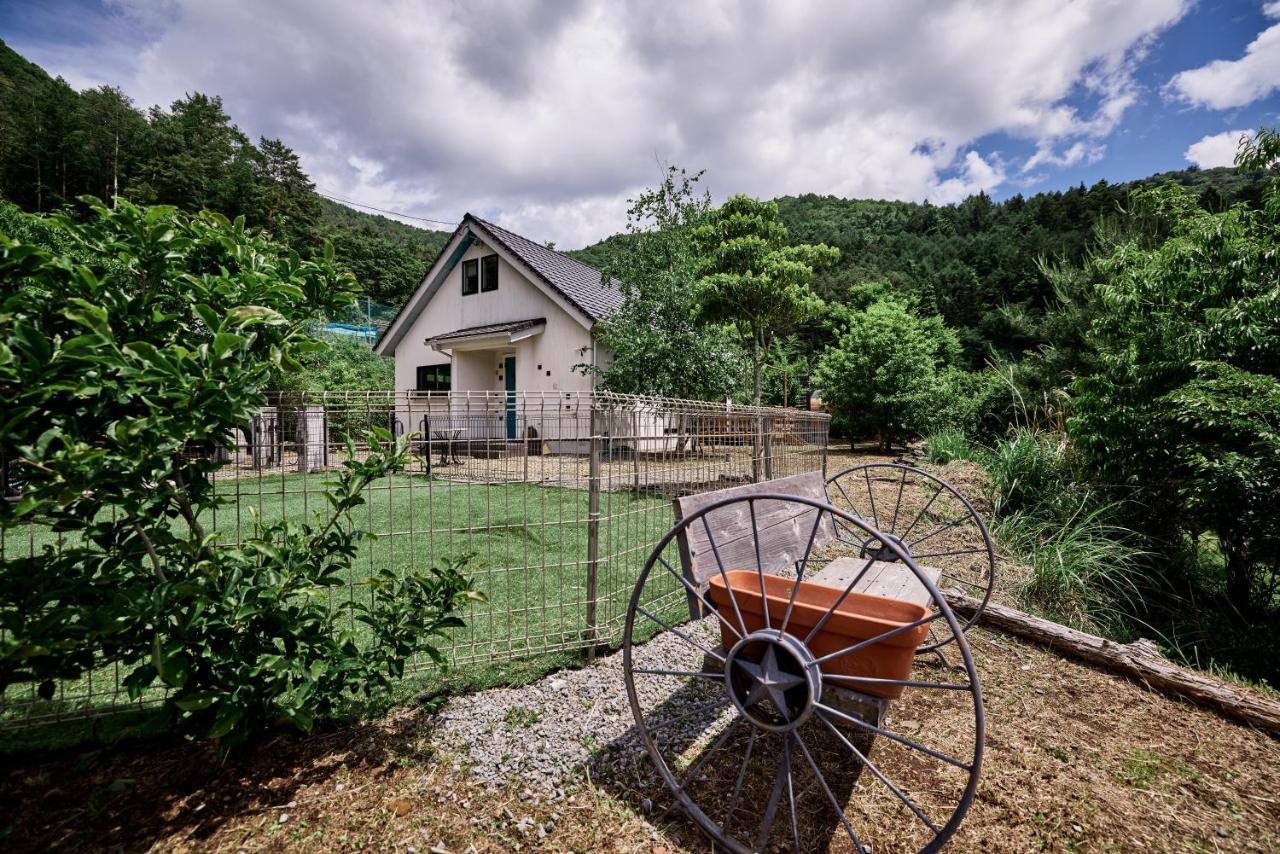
[(497, 313)]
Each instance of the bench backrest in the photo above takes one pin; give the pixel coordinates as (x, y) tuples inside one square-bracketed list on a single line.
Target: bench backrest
[(783, 529)]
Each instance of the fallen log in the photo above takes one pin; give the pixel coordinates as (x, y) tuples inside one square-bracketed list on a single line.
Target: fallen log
[(1140, 660)]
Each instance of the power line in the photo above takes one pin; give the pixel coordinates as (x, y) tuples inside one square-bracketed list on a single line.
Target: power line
[(382, 211)]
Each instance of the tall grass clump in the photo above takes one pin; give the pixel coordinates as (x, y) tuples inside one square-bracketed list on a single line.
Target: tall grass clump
[(1084, 566), (944, 446)]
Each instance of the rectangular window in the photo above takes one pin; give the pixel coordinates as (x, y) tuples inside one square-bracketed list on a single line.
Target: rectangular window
[(489, 273), (433, 377), (470, 277)]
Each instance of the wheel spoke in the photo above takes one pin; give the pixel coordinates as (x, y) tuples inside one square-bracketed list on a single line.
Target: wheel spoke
[(706, 757), (719, 703), (836, 604), (717, 656), (905, 683), (791, 792), (771, 809), (950, 554), (724, 576), (702, 674), (938, 530), (853, 508), (961, 580), (923, 511), (902, 484), (755, 536), (906, 627), (698, 595), (835, 804), (737, 786), (876, 772), (892, 736), (875, 517), (801, 566)]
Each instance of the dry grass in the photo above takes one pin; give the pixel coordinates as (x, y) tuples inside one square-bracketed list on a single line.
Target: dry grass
[(1076, 759)]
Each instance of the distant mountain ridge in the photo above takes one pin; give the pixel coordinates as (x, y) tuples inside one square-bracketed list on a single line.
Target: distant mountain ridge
[(977, 263)]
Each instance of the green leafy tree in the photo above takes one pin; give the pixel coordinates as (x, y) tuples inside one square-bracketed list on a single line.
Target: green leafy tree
[(288, 206), (889, 374), (657, 342), (114, 134), (199, 159), (753, 280), (1180, 410), (387, 271), (153, 335)]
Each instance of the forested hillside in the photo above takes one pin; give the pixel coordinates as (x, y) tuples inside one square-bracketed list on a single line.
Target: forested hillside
[(980, 264), (57, 144)]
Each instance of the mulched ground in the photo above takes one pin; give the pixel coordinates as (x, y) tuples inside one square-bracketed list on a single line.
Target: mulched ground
[(1076, 759)]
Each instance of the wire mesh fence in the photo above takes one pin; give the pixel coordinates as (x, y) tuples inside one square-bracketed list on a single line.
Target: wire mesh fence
[(555, 499)]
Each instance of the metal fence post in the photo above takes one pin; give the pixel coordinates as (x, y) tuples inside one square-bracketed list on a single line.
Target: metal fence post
[(635, 448), (767, 450), (593, 533)]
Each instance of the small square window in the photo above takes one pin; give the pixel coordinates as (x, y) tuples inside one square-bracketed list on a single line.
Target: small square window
[(470, 277), (433, 377), (489, 273)]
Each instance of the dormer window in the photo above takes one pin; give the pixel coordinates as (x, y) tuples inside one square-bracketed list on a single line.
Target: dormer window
[(470, 277), (489, 273)]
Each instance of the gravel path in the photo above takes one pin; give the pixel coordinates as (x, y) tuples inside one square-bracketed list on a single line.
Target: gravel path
[(546, 734)]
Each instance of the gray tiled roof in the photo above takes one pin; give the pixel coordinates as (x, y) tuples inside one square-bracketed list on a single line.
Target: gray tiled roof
[(579, 283), (489, 329)]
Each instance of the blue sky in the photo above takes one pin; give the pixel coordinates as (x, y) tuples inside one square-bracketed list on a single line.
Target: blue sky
[(547, 115), (1157, 131)]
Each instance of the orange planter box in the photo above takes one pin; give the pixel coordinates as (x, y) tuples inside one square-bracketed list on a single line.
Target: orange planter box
[(859, 617)]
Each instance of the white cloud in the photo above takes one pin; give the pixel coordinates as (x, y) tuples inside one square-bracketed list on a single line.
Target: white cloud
[(1226, 83), (1078, 152), (1217, 149), (547, 115)]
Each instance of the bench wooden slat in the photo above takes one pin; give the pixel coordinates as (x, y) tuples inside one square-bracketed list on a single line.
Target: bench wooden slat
[(883, 578), (782, 528)]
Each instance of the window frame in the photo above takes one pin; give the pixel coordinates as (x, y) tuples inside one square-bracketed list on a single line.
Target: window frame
[(485, 263), (436, 371), (471, 266)]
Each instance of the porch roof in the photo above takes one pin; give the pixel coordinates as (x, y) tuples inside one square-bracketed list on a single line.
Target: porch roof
[(507, 333)]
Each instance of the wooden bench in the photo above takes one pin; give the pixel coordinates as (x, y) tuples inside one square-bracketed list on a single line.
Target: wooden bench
[(780, 536)]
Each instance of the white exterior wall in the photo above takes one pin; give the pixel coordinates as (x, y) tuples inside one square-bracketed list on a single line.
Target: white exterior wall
[(563, 343)]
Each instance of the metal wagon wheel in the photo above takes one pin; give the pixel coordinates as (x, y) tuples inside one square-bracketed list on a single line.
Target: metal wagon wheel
[(928, 518), (747, 724)]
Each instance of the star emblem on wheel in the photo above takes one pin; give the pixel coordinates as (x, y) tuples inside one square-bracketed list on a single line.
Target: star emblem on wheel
[(771, 681)]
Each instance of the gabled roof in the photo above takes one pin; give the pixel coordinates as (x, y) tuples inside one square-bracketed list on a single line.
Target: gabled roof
[(578, 287), (577, 282)]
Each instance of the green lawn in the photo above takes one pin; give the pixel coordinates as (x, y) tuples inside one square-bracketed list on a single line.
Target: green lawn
[(529, 548)]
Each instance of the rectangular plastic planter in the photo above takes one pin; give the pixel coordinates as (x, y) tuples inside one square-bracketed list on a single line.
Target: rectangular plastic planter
[(859, 617)]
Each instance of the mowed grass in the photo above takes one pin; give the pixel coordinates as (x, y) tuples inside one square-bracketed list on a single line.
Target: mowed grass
[(527, 549)]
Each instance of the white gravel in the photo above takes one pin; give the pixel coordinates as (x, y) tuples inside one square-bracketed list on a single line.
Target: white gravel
[(545, 734)]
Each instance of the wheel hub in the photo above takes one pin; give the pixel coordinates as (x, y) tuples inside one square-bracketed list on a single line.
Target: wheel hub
[(773, 680), (879, 548)]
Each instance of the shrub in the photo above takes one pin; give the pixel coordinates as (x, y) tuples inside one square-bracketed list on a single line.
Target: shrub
[(944, 446), (1180, 408), (885, 375), (1030, 474), (1084, 566), (110, 368), (1084, 570)]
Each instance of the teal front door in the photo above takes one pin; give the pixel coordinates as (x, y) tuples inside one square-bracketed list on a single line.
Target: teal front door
[(509, 374)]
